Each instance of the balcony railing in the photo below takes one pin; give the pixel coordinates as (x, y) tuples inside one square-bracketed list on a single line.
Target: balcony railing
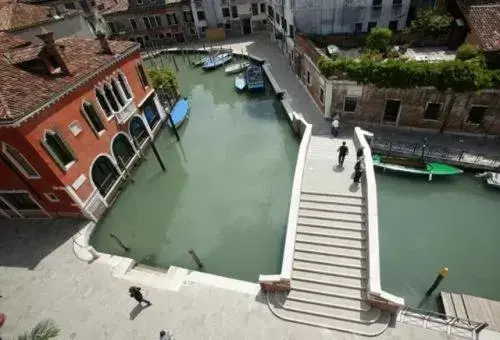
[(126, 112)]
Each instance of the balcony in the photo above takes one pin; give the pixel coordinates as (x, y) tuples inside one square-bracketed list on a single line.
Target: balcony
[(126, 112)]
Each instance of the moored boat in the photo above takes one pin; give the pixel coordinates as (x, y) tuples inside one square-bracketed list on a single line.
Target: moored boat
[(237, 68), (179, 113), (216, 61), (491, 178), (240, 83), (413, 166), (254, 78)]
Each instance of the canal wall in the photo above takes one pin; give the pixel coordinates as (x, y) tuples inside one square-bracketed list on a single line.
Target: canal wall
[(376, 295)]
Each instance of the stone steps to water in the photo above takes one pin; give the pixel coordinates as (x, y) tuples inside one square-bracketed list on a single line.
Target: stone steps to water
[(372, 329), (313, 272), (318, 198), (331, 232), (366, 317), (330, 241), (308, 259), (328, 300), (304, 262), (334, 216), (331, 207), (318, 222), (330, 250), (326, 288)]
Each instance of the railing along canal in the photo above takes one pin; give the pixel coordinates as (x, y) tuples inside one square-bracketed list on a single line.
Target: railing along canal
[(452, 325)]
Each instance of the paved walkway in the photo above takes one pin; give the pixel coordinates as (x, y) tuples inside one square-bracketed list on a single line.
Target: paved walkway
[(41, 278)]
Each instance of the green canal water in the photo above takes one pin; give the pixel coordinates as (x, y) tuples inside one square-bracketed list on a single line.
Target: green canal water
[(226, 191), (424, 226)]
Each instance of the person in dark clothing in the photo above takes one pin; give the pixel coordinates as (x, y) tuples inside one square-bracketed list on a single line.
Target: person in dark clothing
[(359, 153), (135, 292), (359, 169), (343, 150)]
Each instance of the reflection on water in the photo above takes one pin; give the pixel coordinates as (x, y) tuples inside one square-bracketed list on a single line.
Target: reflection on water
[(449, 222), (226, 190)]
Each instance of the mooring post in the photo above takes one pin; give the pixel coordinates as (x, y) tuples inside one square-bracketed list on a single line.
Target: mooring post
[(157, 154), (196, 258), (138, 146), (120, 242), (175, 63), (443, 272), (125, 170)]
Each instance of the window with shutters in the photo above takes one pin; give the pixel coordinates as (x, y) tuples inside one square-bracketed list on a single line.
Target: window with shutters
[(59, 149), (92, 117), (20, 162)]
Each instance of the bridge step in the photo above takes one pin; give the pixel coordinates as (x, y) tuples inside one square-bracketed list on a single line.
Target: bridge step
[(334, 216), (331, 232), (318, 222), (330, 241), (312, 285), (330, 260), (314, 273), (330, 250), (328, 300), (332, 207), (318, 198)]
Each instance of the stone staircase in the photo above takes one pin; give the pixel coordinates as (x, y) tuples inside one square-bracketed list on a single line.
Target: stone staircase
[(329, 275)]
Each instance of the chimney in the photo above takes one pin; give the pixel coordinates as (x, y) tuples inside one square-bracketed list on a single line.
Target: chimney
[(104, 42), (51, 54)]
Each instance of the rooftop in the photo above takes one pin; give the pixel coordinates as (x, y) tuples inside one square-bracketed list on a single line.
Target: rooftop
[(16, 15), (27, 81), (116, 6), (484, 20)]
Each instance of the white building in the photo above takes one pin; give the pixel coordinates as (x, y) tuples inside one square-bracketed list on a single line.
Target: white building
[(237, 17), (325, 17)]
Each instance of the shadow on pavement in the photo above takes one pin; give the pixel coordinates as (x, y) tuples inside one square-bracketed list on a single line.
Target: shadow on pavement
[(136, 310), (25, 243)]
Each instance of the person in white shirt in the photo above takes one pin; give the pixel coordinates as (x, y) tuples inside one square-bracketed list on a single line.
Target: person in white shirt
[(335, 126)]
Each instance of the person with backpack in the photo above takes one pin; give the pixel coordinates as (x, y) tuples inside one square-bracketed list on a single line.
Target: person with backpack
[(359, 169), (343, 150)]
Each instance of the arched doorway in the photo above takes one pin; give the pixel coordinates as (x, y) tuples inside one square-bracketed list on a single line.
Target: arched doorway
[(104, 174), (138, 130), (122, 150)]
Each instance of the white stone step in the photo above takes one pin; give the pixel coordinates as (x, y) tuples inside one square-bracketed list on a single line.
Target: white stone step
[(335, 216), (328, 300), (330, 250), (308, 285), (329, 194), (313, 272), (330, 241), (339, 261), (331, 232), (331, 224), (318, 198), (367, 317), (373, 329), (335, 268), (333, 207)]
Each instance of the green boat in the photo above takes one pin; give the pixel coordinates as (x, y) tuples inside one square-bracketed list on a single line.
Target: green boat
[(414, 166)]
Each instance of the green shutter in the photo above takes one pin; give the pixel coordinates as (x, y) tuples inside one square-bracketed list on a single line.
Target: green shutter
[(52, 154)]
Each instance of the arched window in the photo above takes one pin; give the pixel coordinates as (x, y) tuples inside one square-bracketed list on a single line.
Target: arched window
[(19, 161), (124, 84), (103, 102), (138, 130), (117, 93), (111, 98), (122, 150), (60, 151), (90, 114), (104, 174)]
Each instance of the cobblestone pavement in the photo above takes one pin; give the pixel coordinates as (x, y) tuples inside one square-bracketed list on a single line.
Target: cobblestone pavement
[(41, 278)]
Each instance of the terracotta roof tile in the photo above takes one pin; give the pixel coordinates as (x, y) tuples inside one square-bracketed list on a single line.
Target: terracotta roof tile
[(484, 20), (9, 41), (22, 90)]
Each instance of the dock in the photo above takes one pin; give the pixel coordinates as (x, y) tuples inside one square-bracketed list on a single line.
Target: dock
[(470, 307)]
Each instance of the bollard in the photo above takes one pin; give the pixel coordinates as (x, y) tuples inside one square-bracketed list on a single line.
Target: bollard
[(120, 242), (196, 258), (443, 272)]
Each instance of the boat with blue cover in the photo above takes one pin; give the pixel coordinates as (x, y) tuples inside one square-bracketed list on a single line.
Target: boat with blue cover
[(240, 83), (217, 60), (254, 78), (179, 112)]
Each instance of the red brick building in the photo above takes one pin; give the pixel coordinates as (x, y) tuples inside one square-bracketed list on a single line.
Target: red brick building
[(73, 114)]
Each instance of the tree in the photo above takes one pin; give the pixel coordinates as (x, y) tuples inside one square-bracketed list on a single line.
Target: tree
[(379, 39), (471, 53), (164, 77), (430, 22), (44, 330)]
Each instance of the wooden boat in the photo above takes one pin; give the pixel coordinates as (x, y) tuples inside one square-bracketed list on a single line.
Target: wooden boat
[(237, 68), (413, 166), (491, 178), (254, 78), (332, 50), (179, 112), (216, 61), (240, 83)]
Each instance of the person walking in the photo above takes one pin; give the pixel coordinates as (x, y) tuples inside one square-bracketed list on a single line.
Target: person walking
[(135, 292), (343, 150), (359, 169), (335, 126), (359, 153)]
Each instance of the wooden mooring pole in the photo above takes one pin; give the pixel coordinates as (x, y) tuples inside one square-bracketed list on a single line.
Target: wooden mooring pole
[(120, 242), (443, 272), (196, 258), (125, 170)]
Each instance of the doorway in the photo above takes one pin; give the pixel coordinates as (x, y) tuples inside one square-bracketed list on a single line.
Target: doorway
[(179, 37), (247, 26), (391, 113)]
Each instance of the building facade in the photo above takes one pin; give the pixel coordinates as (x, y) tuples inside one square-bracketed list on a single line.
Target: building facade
[(236, 17), (421, 108), (73, 118), (151, 22)]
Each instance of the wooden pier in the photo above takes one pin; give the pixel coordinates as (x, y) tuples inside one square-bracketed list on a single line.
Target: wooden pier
[(470, 307)]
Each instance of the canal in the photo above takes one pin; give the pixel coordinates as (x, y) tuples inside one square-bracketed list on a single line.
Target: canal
[(227, 187), (452, 222)]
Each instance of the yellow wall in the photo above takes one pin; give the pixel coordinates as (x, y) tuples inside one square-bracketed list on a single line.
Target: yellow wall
[(214, 34)]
